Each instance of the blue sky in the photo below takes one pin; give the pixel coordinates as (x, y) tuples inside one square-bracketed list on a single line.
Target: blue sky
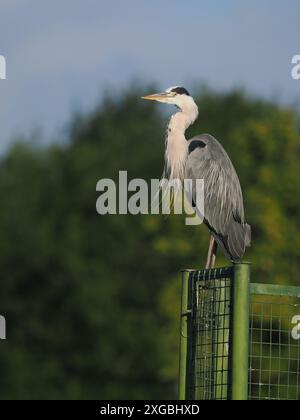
[(61, 55)]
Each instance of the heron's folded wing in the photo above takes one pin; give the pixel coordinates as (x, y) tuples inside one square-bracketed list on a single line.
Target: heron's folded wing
[(223, 201)]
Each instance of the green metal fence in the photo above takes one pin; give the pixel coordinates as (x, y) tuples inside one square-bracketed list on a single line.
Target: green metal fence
[(238, 340)]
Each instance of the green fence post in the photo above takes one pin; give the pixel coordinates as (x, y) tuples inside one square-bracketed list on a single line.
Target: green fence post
[(183, 351), (240, 332)]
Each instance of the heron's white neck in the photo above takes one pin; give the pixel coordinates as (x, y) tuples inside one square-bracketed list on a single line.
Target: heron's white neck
[(176, 143)]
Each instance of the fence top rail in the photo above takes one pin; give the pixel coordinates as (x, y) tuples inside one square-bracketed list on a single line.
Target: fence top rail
[(255, 288), (274, 290), (211, 274)]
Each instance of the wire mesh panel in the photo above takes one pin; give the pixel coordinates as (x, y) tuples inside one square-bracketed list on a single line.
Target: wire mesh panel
[(208, 370), (274, 371), (219, 359)]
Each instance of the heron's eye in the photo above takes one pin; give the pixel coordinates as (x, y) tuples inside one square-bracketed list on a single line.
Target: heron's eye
[(171, 93)]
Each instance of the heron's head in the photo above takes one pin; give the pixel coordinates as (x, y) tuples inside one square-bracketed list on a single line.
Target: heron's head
[(176, 95)]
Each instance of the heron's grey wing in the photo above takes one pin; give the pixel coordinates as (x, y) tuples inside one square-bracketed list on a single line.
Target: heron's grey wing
[(223, 200)]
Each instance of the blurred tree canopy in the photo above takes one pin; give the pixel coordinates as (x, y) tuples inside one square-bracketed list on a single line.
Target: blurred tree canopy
[(92, 302)]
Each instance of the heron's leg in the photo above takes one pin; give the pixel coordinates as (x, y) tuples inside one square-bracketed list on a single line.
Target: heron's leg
[(212, 252), (210, 248)]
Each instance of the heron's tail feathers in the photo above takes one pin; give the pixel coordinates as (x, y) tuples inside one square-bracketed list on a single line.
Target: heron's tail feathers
[(234, 244)]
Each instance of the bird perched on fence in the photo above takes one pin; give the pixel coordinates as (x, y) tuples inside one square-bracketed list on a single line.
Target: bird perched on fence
[(203, 157)]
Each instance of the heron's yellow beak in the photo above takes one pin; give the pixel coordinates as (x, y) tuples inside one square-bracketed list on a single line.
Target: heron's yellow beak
[(156, 96)]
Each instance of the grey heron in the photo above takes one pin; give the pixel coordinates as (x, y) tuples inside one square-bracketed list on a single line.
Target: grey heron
[(203, 157)]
